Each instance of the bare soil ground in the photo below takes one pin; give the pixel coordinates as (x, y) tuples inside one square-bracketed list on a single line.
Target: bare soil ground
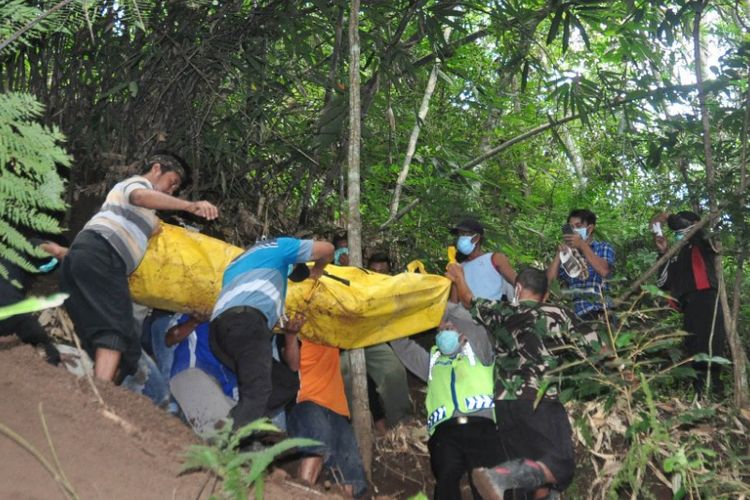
[(100, 457), (104, 459)]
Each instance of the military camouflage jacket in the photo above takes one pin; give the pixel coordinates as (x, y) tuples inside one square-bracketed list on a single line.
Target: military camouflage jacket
[(528, 342)]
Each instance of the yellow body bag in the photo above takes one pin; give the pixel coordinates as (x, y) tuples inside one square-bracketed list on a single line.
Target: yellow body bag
[(182, 272)]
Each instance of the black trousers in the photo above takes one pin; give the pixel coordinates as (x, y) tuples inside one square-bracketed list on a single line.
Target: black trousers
[(455, 449), (698, 320), (698, 308), (240, 338), (542, 434), (94, 275), (27, 327)]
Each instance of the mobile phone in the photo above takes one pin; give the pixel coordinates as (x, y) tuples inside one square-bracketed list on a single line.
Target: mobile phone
[(567, 229)]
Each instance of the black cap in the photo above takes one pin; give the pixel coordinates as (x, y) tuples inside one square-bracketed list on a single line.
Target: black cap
[(682, 220), (300, 273), (469, 224)]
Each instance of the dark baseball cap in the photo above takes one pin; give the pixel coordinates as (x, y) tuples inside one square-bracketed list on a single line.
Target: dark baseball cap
[(682, 220), (299, 272), (469, 224)]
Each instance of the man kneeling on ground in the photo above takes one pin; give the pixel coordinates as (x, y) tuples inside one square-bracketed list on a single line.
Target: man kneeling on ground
[(322, 413), (537, 438)]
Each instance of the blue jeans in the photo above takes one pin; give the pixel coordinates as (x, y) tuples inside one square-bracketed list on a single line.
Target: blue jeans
[(163, 355), (157, 325), (339, 449), (147, 380)]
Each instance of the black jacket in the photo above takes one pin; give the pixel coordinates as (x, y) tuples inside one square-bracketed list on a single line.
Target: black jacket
[(691, 269)]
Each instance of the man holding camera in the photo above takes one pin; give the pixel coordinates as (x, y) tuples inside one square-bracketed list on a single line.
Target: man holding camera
[(690, 278), (597, 264)]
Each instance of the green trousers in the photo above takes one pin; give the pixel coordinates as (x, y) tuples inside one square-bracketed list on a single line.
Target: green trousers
[(389, 376)]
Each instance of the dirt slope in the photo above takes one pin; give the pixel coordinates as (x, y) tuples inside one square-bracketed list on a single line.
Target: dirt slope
[(100, 457)]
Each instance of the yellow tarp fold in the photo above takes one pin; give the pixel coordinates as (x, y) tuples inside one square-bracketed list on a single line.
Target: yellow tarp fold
[(182, 272), (372, 309)]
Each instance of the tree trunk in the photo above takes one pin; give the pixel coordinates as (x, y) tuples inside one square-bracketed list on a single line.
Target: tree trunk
[(740, 373), (360, 403), (414, 137), (739, 360), (742, 197), (523, 173)]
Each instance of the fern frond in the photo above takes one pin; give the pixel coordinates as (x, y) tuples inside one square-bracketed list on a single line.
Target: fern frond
[(44, 193), (16, 258), (29, 22), (29, 183)]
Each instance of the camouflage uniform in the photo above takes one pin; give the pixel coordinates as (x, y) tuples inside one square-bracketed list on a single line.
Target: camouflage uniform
[(528, 341)]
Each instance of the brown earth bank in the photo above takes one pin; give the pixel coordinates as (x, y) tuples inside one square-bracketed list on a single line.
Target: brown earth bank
[(139, 453), (101, 458)]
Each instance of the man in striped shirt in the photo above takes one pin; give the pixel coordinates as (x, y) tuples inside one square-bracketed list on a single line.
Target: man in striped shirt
[(109, 248), (250, 304)]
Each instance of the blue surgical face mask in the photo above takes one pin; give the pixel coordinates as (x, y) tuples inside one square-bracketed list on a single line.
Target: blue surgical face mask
[(448, 341), (680, 233), (465, 245), (48, 266), (337, 255), (582, 231)]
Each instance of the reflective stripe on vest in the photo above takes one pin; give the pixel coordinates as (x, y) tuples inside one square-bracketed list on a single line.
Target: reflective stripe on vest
[(460, 383)]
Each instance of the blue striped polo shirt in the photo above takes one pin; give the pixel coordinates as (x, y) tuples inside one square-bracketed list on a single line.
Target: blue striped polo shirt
[(258, 277)]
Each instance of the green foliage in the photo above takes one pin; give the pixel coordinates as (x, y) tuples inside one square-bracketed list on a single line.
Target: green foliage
[(256, 94), (32, 304), (240, 470), (634, 418), (419, 496), (29, 183), (15, 15)]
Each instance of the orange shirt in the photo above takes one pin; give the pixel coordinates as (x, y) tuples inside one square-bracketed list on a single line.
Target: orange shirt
[(320, 377)]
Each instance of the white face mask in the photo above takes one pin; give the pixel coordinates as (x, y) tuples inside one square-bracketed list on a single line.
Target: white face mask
[(582, 231), (515, 302)]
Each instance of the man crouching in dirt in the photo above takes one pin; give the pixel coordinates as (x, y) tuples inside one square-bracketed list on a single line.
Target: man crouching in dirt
[(109, 248), (15, 285), (536, 438)]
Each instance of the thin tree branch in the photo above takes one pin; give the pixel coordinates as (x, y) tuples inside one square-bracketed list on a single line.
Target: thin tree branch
[(519, 138), (414, 137), (15, 36), (360, 406), (739, 358), (663, 259), (741, 202)]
